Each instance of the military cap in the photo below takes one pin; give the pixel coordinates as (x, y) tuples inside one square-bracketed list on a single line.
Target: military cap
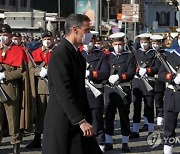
[(94, 32), (47, 34), (117, 36), (178, 30), (16, 34), (5, 28), (145, 36), (156, 38)]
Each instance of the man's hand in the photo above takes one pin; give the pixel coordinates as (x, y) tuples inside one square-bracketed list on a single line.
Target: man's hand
[(43, 72), (86, 129), (87, 73), (142, 71), (177, 79), (113, 78)]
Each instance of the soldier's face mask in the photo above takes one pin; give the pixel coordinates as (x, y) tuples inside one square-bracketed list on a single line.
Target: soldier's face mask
[(4, 39), (98, 45), (145, 45), (15, 42), (118, 48), (156, 46), (47, 43), (89, 46)]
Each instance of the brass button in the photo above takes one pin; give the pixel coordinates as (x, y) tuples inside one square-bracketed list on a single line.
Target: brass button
[(113, 66)]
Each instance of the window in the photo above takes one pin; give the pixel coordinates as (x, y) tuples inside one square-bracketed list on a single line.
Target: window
[(12, 2), (23, 3), (2, 2), (163, 18)]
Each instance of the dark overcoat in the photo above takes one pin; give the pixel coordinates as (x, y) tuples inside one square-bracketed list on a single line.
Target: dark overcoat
[(67, 104), (152, 63), (171, 99), (99, 72), (121, 65)]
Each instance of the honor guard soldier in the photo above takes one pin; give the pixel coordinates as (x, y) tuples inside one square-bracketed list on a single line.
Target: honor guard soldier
[(13, 64), (17, 38), (170, 74), (147, 67), (159, 87), (97, 71), (39, 84), (118, 91)]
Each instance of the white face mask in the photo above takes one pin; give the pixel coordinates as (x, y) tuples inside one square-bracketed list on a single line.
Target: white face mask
[(4, 39), (15, 42), (98, 46), (144, 46), (156, 46), (86, 38), (46, 43), (118, 48), (179, 42), (89, 46)]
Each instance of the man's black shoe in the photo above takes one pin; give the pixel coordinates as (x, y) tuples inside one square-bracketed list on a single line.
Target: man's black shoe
[(144, 128), (125, 147), (34, 144), (134, 135), (108, 146)]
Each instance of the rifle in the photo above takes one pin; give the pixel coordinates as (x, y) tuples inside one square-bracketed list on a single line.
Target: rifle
[(90, 84), (143, 78), (168, 68), (3, 97), (36, 66), (118, 87), (92, 87)]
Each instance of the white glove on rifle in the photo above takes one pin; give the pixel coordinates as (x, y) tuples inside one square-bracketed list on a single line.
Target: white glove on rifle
[(87, 65), (43, 72), (2, 75), (113, 78), (142, 71), (87, 73), (177, 79)]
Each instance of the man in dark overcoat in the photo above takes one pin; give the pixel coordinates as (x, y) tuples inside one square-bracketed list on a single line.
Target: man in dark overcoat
[(67, 128)]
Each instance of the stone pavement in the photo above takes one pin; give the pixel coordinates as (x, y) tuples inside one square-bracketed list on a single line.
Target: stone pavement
[(137, 145)]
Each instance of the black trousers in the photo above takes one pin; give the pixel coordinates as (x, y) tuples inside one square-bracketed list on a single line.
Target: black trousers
[(97, 108), (123, 114), (170, 124), (158, 97), (148, 108), (98, 124)]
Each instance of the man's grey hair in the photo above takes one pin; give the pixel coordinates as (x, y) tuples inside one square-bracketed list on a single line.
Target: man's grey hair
[(74, 20)]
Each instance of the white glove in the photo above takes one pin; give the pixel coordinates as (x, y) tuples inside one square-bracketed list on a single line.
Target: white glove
[(2, 75), (87, 65), (177, 79), (142, 72), (87, 73), (43, 72), (113, 78)]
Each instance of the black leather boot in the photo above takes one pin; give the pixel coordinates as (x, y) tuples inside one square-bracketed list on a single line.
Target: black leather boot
[(16, 148), (36, 143), (125, 147)]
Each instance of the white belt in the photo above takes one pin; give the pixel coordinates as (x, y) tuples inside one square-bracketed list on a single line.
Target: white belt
[(127, 84), (124, 84), (148, 78)]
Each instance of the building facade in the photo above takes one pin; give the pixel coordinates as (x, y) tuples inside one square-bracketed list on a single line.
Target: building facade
[(15, 5), (160, 11)]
